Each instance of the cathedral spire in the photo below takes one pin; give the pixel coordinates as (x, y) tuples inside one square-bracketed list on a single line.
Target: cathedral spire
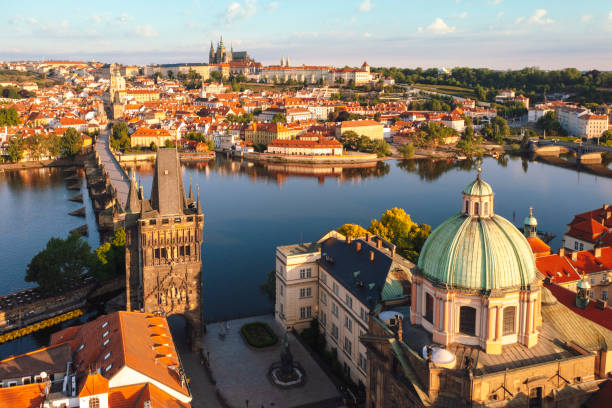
[(190, 193), (133, 202)]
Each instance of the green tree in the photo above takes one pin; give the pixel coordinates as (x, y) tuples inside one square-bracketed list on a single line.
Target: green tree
[(216, 76), (210, 144), (62, 261), (549, 124), (34, 145), (268, 288), (381, 148), (16, 149), (120, 136), (52, 145), (9, 117), (350, 140), (169, 144), (352, 230), (153, 146), (170, 74), (407, 150), (109, 258), (279, 118), (71, 143)]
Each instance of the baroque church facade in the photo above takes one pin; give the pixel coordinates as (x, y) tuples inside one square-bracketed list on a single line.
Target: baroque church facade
[(163, 247)]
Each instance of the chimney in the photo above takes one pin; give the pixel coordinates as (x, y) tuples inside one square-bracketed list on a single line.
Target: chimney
[(358, 246), (371, 255), (562, 252), (348, 239), (574, 256), (597, 252), (379, 243)]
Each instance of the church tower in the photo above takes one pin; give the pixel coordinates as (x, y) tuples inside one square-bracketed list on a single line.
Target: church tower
[(163, 247), (211, 54)]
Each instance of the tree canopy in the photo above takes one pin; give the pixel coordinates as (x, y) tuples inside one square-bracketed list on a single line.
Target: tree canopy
[(396, 226), (120, 136), (71, 143), (549, 124), (9, 117)]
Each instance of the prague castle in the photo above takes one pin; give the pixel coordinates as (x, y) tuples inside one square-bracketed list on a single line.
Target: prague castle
[(222, 56)]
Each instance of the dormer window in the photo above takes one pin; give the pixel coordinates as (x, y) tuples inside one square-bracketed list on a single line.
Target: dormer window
[(105, 334), (105, 342), (107, 355), (81, 347), (104, 325), (108, 367)]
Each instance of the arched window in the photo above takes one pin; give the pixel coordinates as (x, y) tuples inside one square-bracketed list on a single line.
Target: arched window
[(476, 209), (486, 209), (94, 402), (467, 206), (509, 319), (467, 320), (429, 306)]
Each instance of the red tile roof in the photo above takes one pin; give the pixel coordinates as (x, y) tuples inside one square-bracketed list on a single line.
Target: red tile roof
[(591, 312), (94, 384), (538, 246), (23, 396), (557, 268), (588, 230), (587, 262)]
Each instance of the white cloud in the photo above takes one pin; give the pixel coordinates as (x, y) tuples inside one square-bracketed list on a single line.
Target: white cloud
[(124, 18), (440, 27), (146, 31), (238, 11), (463, 15), (273, 5), (500, 14), (610, 15), (420, 30), (586, 18), (519, 20), (367, 35), (32, 20), (365, 6), (539, 17), (96, 19)]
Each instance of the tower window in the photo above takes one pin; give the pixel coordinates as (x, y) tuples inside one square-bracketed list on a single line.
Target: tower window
[(467, 207), (509, 317), (476, 212), (467, 320), (429, 306)]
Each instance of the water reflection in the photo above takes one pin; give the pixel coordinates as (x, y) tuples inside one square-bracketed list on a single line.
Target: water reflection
[(278, 173), (431, 170)]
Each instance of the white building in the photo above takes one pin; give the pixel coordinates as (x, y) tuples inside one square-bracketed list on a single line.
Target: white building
[(581, 122), (338, 281)]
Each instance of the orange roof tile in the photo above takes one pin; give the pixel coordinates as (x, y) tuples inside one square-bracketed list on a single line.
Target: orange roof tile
[(94, 384), (23, 396)]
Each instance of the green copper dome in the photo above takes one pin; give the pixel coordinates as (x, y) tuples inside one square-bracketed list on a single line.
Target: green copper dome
[(531, 221), (478, 187), (475, 251)]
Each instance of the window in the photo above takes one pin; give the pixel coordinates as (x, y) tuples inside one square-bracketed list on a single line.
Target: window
[(349, 301), (476, 209), (105, 342), (467, 320), (581, 246), (604, 295), (348, 323), (429, 308), (280, 287), (282, 312), (323, 319), (305, 312), (335, 288), (335, 309), (324, 298), (94, 402), (467, 206), (305, 292), (107, 355), (105, 334), (81, 347), (108, 367), (334, 331), (592, 280), (26, 380), (104, 325), (363, 363), (509, 318), (324, 277), (348, 346), (576, 245), (305, 273), (363, 314)]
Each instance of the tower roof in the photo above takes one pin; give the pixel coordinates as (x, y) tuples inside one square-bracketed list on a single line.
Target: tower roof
[(168, 192)]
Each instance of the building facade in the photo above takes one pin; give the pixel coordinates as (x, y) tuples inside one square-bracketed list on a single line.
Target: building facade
[(338, 280)]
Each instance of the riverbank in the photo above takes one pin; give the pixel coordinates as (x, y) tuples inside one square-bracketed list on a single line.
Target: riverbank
[(41, 164), (150, 156)]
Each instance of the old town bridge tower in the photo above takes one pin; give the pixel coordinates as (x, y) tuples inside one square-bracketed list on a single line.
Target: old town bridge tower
[(163, 247)]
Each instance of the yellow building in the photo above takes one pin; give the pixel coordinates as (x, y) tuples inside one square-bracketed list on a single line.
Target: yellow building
[(143, 137), (264, 133), (369, 128)]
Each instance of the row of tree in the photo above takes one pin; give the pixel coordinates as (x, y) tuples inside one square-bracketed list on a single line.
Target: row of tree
[(352, 141), (9, 117), (37, 146), (63, 261)]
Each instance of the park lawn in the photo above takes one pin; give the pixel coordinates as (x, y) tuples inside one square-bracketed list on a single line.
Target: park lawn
[(448, 89)]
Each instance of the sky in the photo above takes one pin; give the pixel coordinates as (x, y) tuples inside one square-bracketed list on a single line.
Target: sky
[(497, 34)]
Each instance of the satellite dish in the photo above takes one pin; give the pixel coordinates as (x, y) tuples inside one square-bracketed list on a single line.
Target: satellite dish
[(43, 375)]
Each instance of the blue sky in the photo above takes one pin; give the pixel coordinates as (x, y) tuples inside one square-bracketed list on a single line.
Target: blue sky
[(499, 34)]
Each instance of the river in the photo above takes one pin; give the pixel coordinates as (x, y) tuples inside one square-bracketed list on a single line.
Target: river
[(251, 208)]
